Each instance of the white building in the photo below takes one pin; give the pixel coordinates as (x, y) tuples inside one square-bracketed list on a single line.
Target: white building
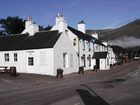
[(41, 53), (85, 45), (112, 56), (46, 51), (102, 60), (80, 41)]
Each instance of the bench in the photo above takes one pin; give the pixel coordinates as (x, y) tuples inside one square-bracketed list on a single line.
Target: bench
[(3, 69)]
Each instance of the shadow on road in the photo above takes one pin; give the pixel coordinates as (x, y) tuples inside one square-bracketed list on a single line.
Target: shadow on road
[(90, 99)]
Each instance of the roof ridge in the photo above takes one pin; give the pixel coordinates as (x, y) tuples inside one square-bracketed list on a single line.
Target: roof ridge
[(47, 31), (13, 35)]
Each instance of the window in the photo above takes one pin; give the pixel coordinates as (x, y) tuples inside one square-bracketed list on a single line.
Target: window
[(15, 57), (83, 60), (6, 56), (89, 60), (96, 47), (89, 49), (30, 61), (65, 60), (103, 48), (100, 48), (74, 42)]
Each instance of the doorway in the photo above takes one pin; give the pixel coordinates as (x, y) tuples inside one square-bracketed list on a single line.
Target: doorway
[(98, 63)]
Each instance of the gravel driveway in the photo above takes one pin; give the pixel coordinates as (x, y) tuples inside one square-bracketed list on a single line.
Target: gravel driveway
[(118, 86)]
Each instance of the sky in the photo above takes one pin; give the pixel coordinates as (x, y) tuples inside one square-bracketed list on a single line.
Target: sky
[(97, 14)]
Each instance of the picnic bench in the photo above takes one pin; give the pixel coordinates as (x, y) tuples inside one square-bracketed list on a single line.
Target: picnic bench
[(3, 69), (11, 71)]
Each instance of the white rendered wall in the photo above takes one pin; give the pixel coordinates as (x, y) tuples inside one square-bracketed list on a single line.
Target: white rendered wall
[(72, 36), (39, 67), (111, 56), (64, 45), (93, 63), (86, 52)]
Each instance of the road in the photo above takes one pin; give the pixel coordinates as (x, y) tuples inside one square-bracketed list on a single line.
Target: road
[(118, 86)]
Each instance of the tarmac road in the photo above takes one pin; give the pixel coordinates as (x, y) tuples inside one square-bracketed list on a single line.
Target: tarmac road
[(118, 86)]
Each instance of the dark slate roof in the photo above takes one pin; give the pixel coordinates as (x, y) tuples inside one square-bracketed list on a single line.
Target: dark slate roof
[(45, 39), (80, 34), (83, 36), (99, 55)]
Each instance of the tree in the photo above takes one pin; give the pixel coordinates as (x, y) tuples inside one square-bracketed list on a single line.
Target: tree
[(2, 33), (41, 28), (48, 27), (12, 25)]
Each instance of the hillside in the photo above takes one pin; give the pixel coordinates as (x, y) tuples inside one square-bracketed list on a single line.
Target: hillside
[(125, 36)]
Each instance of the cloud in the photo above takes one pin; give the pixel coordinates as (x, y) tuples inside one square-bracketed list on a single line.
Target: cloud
[(126, 42)]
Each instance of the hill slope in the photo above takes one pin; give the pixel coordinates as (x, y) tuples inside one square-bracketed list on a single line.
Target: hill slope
[(125, 36)]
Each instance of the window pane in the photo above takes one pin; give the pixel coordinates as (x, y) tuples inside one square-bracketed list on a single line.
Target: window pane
[(15, 57), (30, 61), (15, 54), (6, 56)]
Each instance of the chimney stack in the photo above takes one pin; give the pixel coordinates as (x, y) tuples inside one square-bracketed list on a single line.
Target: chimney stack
[(82, 26), (95, 35), (61, 23), (30, 27)]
